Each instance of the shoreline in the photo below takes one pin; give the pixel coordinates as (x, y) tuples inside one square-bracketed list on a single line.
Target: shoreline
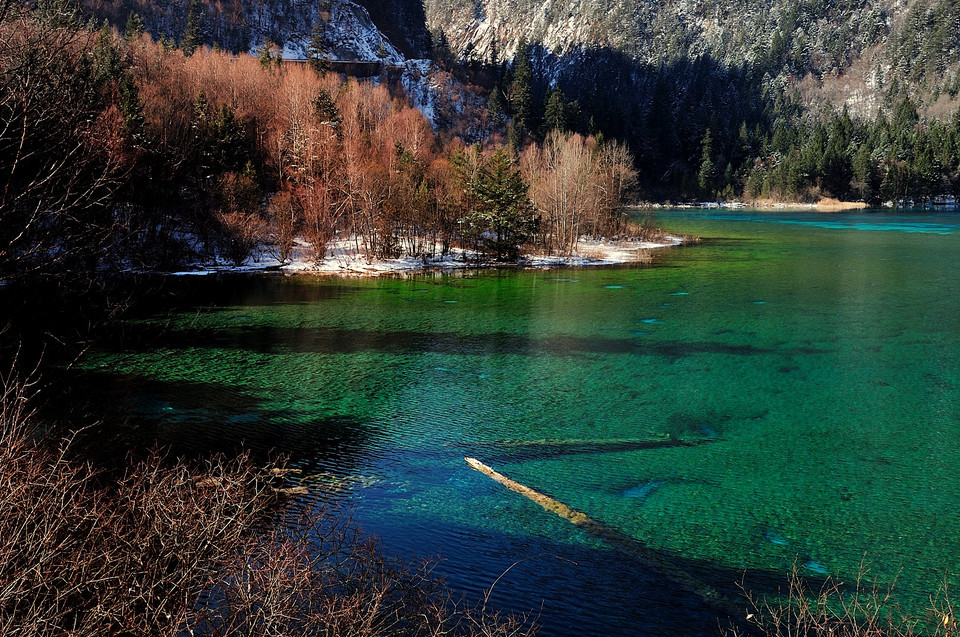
[(343, 259), (825, 205)]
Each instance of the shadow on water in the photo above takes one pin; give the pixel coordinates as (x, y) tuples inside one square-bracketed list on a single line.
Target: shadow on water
[(555, 581), (235, 289), (513, 451), (352, 341), (194, 420)]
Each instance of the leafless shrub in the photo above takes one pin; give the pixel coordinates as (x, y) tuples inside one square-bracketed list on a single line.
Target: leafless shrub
[(284, 217), (319, 221), (241, 225), (84, 555), (242, 233), (169, 547), (319, 575)]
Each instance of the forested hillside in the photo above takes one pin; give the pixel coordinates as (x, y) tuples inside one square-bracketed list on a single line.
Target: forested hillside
[(872, 42), (738, 98), (716, 98), (118, 152)]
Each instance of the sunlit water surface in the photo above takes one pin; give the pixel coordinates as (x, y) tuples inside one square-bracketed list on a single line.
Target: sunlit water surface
[(808, 364)]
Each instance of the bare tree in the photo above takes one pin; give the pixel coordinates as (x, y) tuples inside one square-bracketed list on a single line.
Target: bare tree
[(578, 187), (60, 159)]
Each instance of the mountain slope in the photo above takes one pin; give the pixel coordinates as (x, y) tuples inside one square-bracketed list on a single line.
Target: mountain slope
[(856, 49)]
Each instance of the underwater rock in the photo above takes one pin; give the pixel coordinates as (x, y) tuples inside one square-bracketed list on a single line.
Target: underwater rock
[(642, 491), (775, 538)]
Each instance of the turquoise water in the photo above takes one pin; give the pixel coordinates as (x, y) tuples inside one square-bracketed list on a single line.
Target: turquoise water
[(785, 392)]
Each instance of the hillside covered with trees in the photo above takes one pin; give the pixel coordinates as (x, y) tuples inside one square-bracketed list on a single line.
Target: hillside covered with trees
[(123, 154), (731, 99), (719, 99)]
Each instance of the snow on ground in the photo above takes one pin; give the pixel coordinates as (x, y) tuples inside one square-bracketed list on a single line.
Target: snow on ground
[(343, 258)]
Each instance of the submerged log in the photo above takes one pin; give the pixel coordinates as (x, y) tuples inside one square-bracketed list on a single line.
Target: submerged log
[(581, 442), (653, 442), (519, 449), (620, 541), (548, 503)]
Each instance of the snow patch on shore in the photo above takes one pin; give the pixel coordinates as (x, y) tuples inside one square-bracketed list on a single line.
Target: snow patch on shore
[(345, 258)]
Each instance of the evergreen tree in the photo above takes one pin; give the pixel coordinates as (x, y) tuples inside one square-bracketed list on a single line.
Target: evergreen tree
[(441, 52), (318, 49), (496, 108), (503, 217), (555, 115), (106, 59), (265, 54), (521, 89), (707, 176), (326, 110), (199, 126), (728, 179), (131, 107), (227, 140), (514, 137), (61, 14), (191, 39), (863, 173), (135, 27)]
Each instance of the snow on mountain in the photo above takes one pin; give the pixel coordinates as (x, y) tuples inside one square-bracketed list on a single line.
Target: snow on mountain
[(351, 35)]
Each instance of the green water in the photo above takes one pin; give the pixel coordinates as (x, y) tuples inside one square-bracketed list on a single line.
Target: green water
[(810, 362)]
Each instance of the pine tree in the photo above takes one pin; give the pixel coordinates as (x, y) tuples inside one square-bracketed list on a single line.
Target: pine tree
[(503, 218), (555, 115), (441, 52), (106, 59), (319, 48), (131, 107), (521, 89), (266, 56), (58, 13), (135, 27), (707, 175), (495, 109), (191, 39), (863, 172), (326, 110), (227, 140)]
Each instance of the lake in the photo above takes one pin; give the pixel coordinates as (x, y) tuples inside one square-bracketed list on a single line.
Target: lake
[(785, 393)]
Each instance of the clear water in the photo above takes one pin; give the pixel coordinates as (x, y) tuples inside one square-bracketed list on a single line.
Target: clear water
[(811, 362)]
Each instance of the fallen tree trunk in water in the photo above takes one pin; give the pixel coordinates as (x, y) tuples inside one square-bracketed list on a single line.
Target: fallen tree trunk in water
[(653, 442), (646, 556), (520, 449)]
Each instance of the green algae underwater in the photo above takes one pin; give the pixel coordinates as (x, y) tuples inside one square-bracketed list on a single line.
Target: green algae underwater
[(786, 392)]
